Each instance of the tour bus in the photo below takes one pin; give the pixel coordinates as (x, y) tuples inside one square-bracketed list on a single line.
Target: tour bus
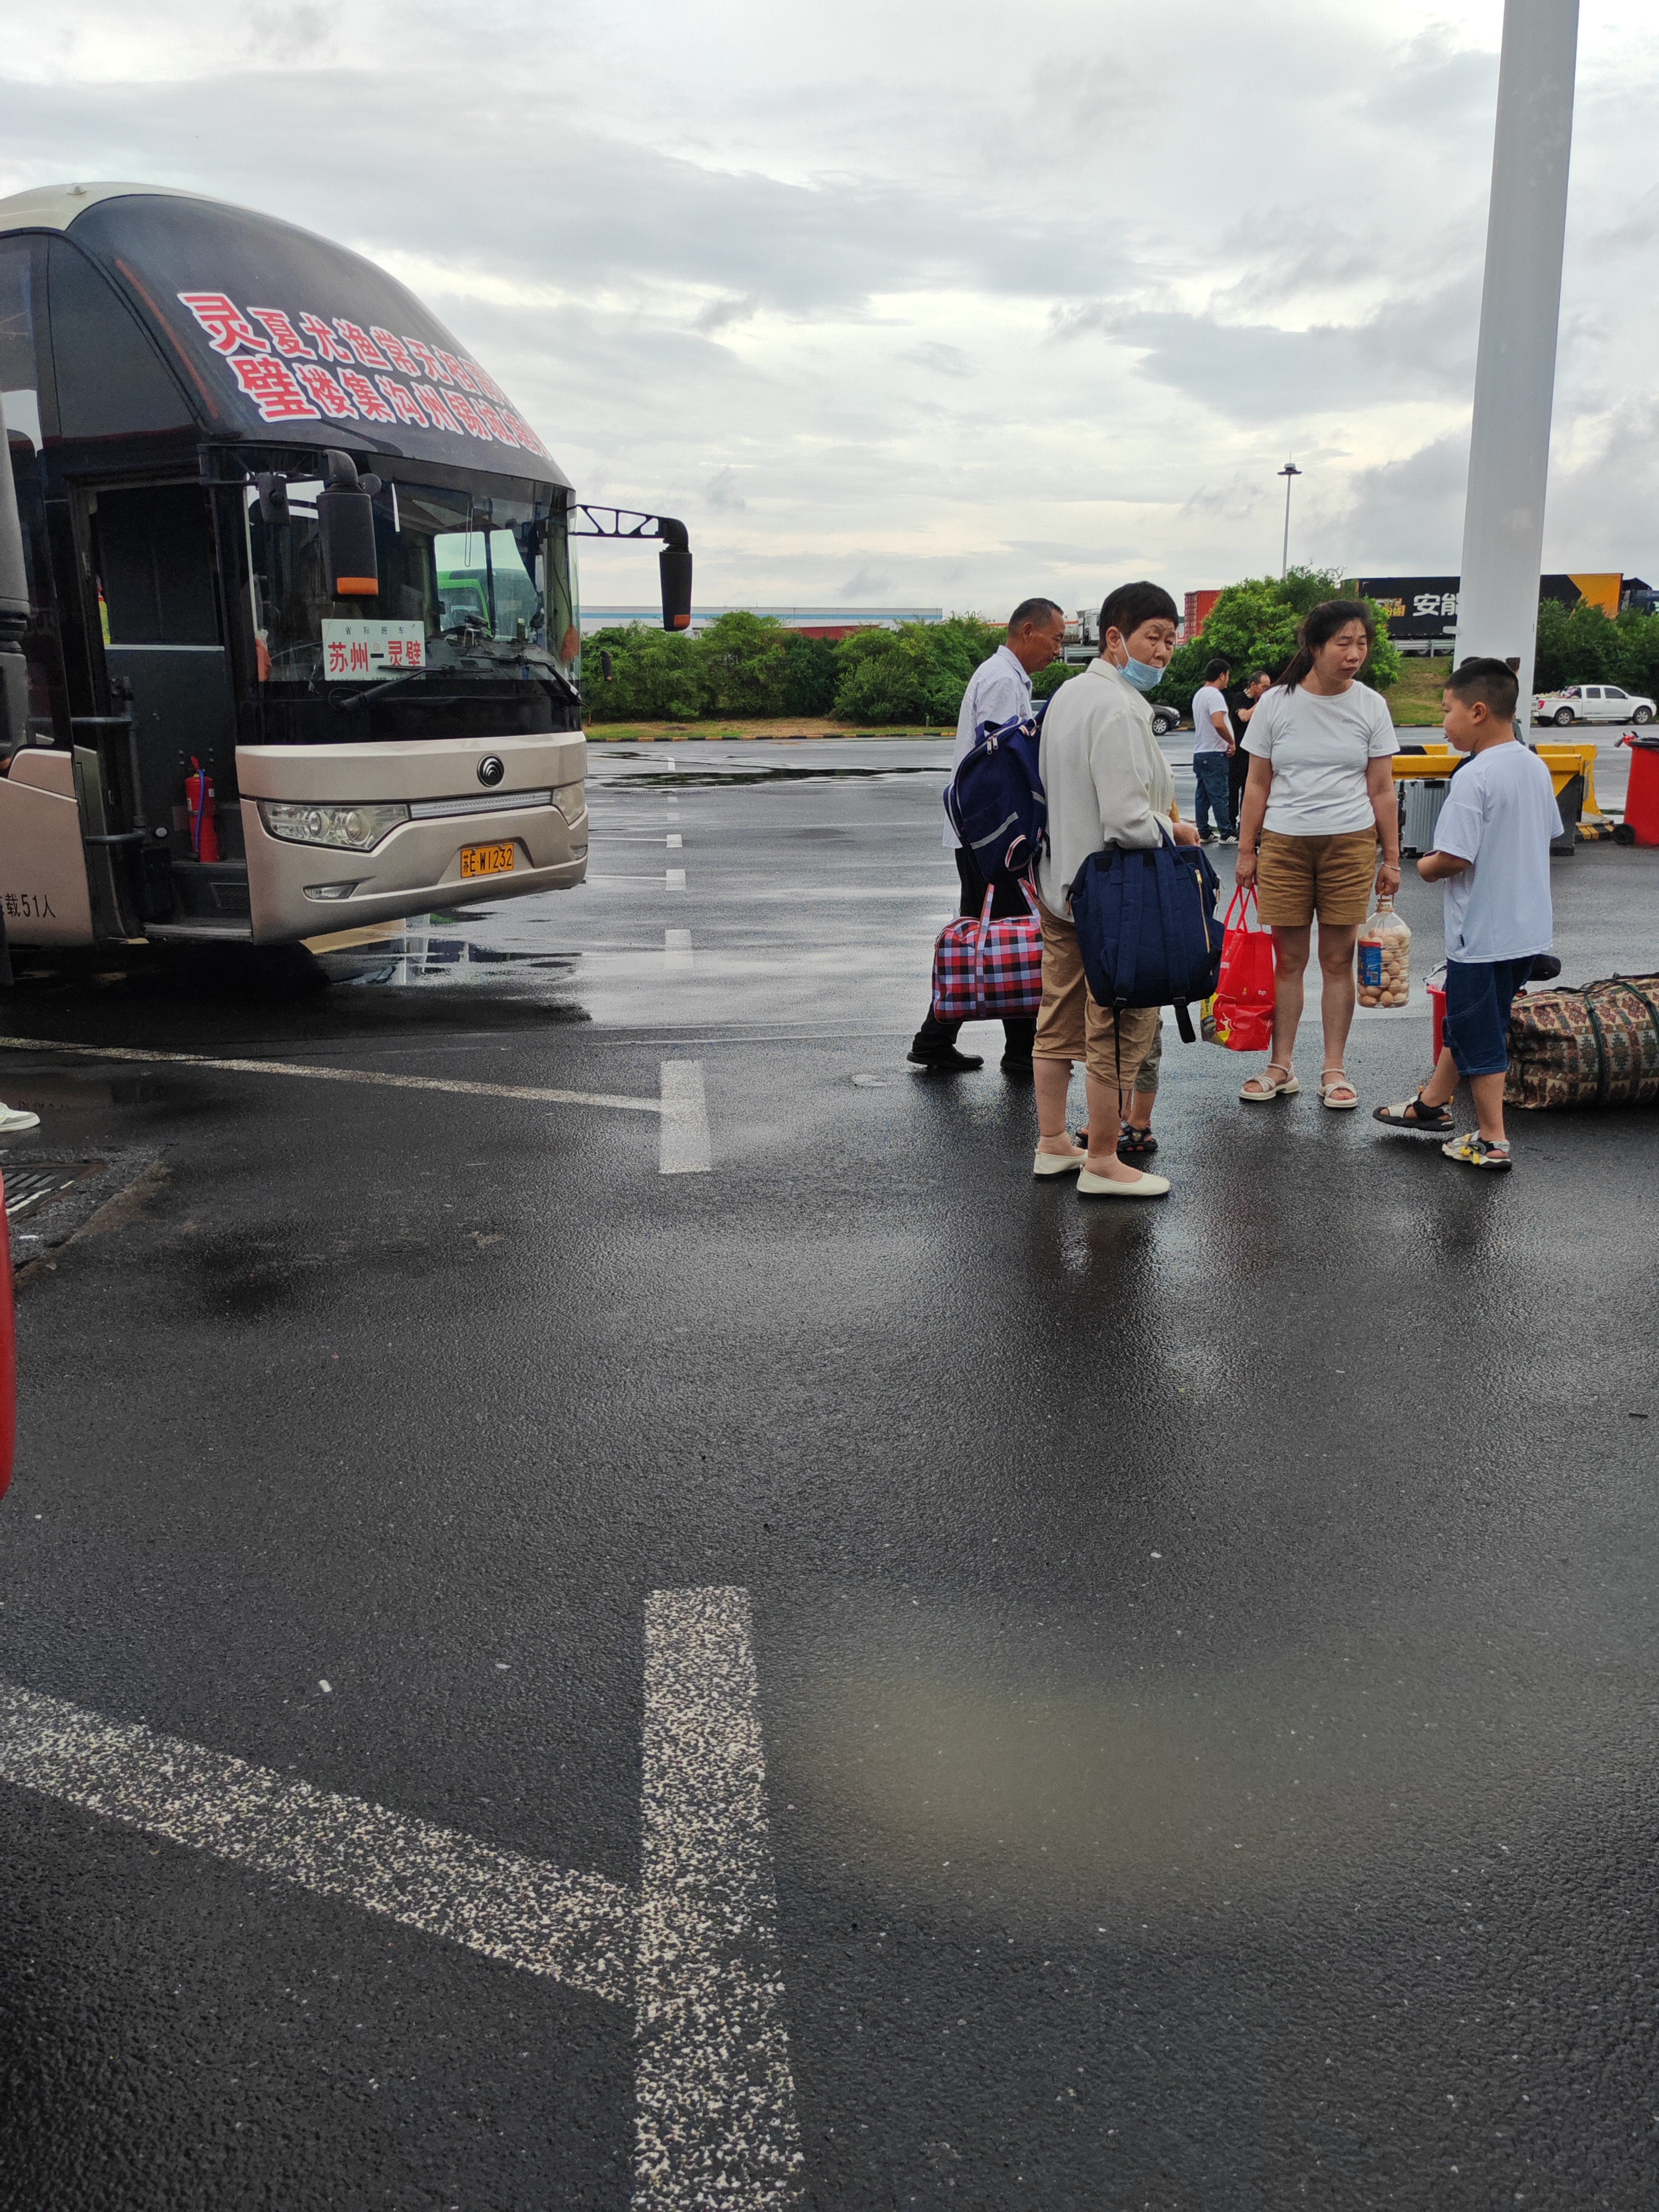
[(289, 640)]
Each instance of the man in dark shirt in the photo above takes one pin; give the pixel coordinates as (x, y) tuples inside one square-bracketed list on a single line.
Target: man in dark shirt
[(1240, 705)]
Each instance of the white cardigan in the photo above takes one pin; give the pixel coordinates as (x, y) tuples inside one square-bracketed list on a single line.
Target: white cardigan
[(1105, 774)]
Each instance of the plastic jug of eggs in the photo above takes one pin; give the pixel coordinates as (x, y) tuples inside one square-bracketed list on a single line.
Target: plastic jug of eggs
[(1384, 950)]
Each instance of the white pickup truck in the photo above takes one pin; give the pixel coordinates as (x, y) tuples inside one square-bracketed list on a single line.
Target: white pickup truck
[(1591, 702)]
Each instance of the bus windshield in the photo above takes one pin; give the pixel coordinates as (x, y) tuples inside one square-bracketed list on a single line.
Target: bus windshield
[(471, 584)]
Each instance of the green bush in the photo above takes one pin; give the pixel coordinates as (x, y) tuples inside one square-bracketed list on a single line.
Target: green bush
[(915, 673), (743, 659), (1581, 644), (810, 672), (656, 676), (1047, 681)]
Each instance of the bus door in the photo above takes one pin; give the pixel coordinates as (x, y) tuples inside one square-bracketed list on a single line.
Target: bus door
[(157, 583)]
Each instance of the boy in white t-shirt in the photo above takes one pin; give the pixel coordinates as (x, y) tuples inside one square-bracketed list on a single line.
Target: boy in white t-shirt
[(1492, 853)]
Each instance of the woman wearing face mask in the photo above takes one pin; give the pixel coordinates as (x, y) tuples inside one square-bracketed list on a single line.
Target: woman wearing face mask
[(1108, 783), (1320, 799)]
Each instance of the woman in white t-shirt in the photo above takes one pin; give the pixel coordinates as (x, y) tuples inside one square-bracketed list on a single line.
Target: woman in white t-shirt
[(1318, 801)]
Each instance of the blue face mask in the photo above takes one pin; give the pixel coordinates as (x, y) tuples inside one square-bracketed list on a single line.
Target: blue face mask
[(1142, 675)]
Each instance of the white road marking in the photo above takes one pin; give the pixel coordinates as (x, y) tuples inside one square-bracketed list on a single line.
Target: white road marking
[(696, 1951), (674, 879), (715, 2124), (537, 1096), (682, 1139), (677, 952), (572, 1928), (675, 841)]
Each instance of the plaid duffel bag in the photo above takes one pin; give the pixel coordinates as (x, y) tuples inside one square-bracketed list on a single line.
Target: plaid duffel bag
[(986, 970), (1596, 1046)]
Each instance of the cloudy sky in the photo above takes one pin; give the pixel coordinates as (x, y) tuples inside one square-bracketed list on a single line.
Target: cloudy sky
[(909, 304)]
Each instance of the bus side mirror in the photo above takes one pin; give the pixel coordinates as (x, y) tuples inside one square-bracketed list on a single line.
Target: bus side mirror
[(345, 526), (675, 563)]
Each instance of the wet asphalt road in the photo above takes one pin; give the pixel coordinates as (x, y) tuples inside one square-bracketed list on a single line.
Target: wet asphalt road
[(1206, 1653)]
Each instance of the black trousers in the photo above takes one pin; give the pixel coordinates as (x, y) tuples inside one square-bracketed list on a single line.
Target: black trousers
[(1238, 767), (1007, 900)]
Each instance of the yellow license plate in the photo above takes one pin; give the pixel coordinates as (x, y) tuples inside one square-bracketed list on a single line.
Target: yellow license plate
[(486, 860)]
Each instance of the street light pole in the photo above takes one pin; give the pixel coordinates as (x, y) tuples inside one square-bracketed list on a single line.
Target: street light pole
[(1289, 470), (1520, 314)]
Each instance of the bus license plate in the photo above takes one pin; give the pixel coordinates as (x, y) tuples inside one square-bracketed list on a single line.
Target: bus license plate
[(486, 860)]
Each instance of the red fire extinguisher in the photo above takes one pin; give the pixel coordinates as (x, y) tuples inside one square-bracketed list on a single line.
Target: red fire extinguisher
[(204, 829)]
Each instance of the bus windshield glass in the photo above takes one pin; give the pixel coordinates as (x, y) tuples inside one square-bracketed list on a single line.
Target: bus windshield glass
[(471, 585)]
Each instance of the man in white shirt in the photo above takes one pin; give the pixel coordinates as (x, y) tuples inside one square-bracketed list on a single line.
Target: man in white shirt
[(1212, 749), (999, 690)]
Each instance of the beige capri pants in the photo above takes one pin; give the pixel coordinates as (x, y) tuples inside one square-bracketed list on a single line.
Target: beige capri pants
[(1072, 1023)]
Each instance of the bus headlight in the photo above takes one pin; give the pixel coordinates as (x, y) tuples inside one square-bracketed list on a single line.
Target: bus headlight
[(571, 801), (358, 828)]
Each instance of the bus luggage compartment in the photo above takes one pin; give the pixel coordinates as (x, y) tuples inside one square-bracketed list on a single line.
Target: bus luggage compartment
[(338, 836)]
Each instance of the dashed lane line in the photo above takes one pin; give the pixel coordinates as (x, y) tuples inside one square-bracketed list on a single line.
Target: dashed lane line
[(677, 957), (673, 879), (682, 1133), (572, 1928), (535, 1096), (715, 2122)]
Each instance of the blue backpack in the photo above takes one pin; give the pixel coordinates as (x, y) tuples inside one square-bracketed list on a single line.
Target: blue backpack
[(996, 802), (1147, 927)]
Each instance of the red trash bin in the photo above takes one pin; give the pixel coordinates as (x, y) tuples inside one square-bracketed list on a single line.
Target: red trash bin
[(1642, 800)]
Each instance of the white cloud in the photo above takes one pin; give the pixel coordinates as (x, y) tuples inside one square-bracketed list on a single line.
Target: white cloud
[(942, 313)]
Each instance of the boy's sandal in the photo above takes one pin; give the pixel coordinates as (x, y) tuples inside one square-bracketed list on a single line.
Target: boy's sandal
[(1412, 1113), (1336, 1091), (1259, 1088), (1136, 1143), (1474, 1151)]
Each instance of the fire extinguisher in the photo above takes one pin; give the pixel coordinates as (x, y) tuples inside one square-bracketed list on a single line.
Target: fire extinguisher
[(204, 829)]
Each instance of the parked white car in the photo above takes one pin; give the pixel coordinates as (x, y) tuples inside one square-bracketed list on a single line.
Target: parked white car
[(1591, 702)]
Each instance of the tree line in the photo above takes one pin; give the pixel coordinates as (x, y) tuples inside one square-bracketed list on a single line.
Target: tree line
[(751, 667)]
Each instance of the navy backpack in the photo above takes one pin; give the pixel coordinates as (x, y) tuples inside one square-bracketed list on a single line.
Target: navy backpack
[(996, 801), (1147, 927)]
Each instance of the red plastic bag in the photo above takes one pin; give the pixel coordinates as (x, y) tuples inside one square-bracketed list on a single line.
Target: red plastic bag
[(1244, 991)]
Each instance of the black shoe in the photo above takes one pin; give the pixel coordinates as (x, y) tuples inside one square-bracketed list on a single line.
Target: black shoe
[(1018, 1065), (944, 1060)]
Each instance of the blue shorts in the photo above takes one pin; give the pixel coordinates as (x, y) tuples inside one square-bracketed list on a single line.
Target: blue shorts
[(1479, 995)]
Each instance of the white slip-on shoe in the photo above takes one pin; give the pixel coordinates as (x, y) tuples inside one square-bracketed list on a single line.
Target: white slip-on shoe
[(15, 1119), (1054, 1163), (1144, 1186)]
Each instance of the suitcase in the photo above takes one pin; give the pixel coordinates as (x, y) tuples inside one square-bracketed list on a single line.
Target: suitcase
[(1598, 1046)]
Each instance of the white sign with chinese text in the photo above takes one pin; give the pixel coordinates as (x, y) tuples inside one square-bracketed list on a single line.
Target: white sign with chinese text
[(367, 652)]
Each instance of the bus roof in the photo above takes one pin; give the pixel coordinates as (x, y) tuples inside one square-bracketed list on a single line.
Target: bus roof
[(279, 337)]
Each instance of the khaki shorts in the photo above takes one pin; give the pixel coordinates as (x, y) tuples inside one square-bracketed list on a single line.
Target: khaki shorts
[(1296, 878), (1073, 1024)]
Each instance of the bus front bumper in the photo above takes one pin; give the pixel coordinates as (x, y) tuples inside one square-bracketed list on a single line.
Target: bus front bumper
[(469, 841)]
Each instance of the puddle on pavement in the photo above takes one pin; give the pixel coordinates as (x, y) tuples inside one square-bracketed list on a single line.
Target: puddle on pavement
[(740, 774)]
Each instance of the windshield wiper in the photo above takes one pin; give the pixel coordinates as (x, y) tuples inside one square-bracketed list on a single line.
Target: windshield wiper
[(345, 702)]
